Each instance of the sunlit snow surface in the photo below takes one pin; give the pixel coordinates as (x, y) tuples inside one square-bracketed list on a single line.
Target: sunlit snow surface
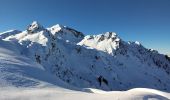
[(64, 94), (60, 63)]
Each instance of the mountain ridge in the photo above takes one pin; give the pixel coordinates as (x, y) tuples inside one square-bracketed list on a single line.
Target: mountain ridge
[(101, 61)]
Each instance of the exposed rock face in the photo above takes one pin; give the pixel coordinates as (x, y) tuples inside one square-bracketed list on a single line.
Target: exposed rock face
[(34, 27)]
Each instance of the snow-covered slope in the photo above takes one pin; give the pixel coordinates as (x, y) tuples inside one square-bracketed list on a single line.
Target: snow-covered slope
[(20, 71), (63, 57)]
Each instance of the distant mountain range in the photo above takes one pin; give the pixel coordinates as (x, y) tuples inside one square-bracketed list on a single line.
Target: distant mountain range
[(63, 56)]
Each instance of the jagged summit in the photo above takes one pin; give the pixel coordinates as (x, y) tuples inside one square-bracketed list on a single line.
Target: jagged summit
[(136, 43), (107, 42), (56, 28), (34, 27), (38, 34), (65, 29), (109, 35)]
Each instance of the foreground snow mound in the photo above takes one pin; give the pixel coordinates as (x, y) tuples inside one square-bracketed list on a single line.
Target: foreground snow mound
[(42, 55), (64, 94)]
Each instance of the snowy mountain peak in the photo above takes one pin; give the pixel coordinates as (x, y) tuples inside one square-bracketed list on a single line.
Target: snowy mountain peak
[(36, 33), (109, 35), (56, 28), (65, 33), (107, 42), (34, 27), (65, 30), (137, 42)]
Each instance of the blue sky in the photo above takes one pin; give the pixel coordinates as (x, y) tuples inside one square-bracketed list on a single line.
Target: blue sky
[(147, 21)]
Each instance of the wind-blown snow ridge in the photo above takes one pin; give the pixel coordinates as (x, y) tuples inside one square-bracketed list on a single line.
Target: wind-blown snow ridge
[(8, 33), (64, 57)]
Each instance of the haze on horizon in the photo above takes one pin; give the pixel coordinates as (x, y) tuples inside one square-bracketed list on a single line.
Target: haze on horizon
[(146, 21)]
